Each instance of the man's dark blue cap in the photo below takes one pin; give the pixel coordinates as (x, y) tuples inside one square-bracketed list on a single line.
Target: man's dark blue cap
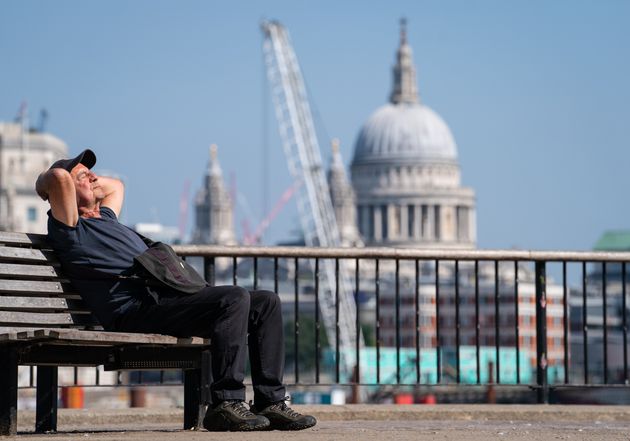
[(86, 157)]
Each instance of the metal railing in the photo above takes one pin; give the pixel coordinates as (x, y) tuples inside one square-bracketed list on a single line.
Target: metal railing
[(438, 318)]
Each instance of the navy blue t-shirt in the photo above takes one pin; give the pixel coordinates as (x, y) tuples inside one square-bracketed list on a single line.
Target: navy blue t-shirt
[(103, 244)]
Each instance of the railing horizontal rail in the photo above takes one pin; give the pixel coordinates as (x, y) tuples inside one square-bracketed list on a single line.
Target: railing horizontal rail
[(396, 253)]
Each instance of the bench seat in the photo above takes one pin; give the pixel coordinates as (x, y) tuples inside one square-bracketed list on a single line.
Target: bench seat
[(44, 323)]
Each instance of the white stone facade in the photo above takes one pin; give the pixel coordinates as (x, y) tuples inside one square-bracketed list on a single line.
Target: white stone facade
[(24, 154)]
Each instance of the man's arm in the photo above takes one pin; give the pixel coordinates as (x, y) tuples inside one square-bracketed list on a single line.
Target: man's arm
[(57, 187), (114, 193)]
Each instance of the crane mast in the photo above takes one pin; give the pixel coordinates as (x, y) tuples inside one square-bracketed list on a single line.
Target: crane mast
[(315, 209)]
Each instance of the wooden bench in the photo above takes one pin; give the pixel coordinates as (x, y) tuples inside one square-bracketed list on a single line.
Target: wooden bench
[(44, 323)]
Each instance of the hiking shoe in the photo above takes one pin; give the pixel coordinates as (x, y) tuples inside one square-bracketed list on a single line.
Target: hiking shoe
[(282, 417), (232, 415)]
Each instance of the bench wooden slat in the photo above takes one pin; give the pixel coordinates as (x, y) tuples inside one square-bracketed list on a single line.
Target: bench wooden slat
[(35, 319), (13, 254), (108, 338), (42, 304), (16, 270), (32, 239), (73, 336), (28, 286)]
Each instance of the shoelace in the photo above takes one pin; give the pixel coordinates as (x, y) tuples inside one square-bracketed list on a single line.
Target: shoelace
[(282, 406), (239, 408)]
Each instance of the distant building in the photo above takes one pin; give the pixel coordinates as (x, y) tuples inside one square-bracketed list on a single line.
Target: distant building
[(614, 240), (213, 208), (587, 302), (24, 154), (343, 200), (159, 233), (406, 175)]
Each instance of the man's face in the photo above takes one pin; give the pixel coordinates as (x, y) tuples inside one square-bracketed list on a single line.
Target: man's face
[(87, 187)]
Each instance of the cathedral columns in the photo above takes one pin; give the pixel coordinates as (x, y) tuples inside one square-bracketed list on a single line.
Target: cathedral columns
[(378, 223), (404, 222), (417, 225), (429, 230)]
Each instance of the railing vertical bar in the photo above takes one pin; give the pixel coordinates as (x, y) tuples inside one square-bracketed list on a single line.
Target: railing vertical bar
[(624, 307), (208, 269), (377, 283), (317, 324), (497, 363), (438, 347), (337, 329), (517, 333), (605, 323), (397, 311), (417, 321), (584, 322), (565, 321), (234, 271), (97, 375), (76, 375), (162, 377), (31, 376), (357, 322), (457, 325), (275, 275), (477, 325), (542, 356), (296, 326), (256, 273)]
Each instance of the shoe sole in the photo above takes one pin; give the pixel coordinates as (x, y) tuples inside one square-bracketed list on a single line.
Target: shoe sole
[(291, 426), (294, 426), (241, 428), (227, 426)]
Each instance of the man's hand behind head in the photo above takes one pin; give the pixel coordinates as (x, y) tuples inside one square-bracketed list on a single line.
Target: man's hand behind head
[(57, 187)]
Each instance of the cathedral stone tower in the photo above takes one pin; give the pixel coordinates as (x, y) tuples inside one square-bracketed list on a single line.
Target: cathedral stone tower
[(343, 200), (213, 208), (406, 174)]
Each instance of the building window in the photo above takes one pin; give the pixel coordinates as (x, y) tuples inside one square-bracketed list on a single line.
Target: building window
[(384, 225), (31, 214)]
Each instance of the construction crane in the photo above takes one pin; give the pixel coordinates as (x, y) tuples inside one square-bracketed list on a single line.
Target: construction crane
[(315, 209), (250, 238)]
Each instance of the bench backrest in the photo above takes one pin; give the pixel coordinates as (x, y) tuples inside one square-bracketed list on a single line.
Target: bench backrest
[(34, 293)]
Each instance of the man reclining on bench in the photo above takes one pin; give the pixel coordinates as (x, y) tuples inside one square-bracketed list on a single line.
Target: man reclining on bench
[(100, 255)]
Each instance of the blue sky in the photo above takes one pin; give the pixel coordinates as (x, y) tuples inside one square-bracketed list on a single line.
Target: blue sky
[(536, 94)]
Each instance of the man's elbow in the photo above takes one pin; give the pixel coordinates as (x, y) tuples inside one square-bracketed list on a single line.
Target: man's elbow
[(52, 180)]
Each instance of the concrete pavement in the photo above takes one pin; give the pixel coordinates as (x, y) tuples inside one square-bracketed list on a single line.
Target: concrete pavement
[(369, 422)]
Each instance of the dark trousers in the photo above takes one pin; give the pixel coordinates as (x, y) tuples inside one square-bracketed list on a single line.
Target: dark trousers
[(231, 317)]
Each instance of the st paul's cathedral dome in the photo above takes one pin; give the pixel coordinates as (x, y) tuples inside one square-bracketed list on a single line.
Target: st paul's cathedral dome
[(405, 172)]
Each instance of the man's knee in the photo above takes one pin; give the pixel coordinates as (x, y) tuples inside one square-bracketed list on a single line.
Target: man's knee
[(269, 299), (239, 298)]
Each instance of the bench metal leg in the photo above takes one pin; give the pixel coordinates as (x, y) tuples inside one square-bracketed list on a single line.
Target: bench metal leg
[(193, 406), (8, 390), (46, 410), (206, 377)]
